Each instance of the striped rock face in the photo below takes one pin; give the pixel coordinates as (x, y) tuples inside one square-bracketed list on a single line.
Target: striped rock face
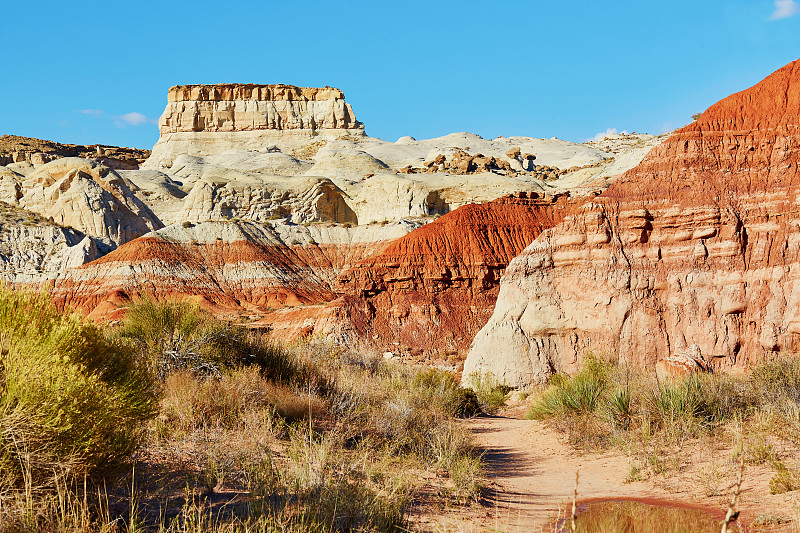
[(699, 244), (240, 268)]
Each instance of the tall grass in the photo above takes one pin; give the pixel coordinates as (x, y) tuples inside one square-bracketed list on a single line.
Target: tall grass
[(607, 404)]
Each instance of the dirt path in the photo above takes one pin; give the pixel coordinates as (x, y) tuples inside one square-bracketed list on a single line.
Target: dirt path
[(531, 469), (532, 472)]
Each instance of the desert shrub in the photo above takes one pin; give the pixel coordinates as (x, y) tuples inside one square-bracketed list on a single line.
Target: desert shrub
[(71, 398), (579, 394), (776, 385), (177, 336), (620, 408), (785, 479), (491, 393), (191, 402), (671, 401), (441, 386), (174, 335), (724, 398)]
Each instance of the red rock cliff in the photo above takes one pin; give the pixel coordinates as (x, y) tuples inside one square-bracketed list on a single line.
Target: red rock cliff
[(431, 290), (696, 245)]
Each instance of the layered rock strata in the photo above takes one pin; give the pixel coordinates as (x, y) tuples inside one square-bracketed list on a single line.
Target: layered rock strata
[(698, 245), (430, 291), (205, 119), (228, 267)]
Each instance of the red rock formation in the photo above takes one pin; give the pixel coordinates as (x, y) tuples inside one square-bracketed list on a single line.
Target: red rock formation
[(696, 245), (434, 288)]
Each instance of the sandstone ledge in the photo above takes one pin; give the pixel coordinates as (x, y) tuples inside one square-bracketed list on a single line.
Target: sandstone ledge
[(250, 91)]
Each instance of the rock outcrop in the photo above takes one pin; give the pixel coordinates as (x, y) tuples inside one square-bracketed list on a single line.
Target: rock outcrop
[(87, 196), (311, 195), (32, 249), (203, 120), (697, 245), (16, 149), (430, 291)]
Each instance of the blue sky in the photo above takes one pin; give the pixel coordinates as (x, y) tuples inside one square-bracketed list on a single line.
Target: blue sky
[(98, 72)]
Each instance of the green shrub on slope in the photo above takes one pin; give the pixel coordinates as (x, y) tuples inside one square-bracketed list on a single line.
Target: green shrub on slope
[(71, 400)]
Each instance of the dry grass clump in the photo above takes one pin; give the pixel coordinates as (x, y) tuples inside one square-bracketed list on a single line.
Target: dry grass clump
[(490, 393)]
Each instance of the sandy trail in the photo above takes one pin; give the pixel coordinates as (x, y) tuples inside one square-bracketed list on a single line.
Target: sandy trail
[(531, 469), (532, 472)]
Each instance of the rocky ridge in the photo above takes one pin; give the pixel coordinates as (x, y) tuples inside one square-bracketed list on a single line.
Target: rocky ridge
[(16, 149), (257, 198), (697, 245)]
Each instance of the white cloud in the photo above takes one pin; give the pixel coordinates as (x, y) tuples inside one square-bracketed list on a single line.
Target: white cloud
[(785, 9), (132, 119), (610, 131), (121, 121)]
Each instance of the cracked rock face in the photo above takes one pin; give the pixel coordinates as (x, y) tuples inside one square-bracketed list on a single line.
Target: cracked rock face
[(699, 244)]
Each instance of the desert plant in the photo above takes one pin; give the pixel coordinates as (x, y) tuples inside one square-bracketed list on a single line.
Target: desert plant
[(785, 479), (491, 393), (72, 399), (173, 335), (619, 408), (581, 393), (441, 386)]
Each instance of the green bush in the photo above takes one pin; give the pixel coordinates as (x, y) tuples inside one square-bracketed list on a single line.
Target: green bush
[(71, 400), (175, 336), (582, 393), (441, 386), (491, 394)]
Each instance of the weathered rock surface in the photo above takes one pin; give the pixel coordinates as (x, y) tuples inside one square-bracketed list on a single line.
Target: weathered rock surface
[(696, 245), (87, 196), (247, 179), (33, 250)]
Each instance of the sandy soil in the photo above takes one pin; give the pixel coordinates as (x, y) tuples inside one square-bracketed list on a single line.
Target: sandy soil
[(531, 469)]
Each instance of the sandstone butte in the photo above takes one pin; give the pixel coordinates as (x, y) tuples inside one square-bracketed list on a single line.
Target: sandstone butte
[(257, 197), (202, 120), (433, 289), (698, 244)]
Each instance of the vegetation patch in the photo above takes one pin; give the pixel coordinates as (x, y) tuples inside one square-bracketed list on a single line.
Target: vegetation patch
[(223, 430)]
